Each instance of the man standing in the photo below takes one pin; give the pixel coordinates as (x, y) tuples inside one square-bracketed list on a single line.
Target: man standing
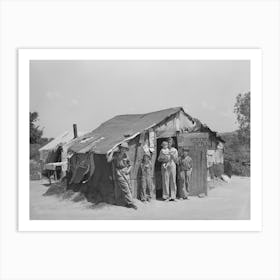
[(168, 171), (185, 172)]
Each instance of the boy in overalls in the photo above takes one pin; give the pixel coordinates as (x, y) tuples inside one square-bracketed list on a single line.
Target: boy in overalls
[(146, 179), (185, 172)]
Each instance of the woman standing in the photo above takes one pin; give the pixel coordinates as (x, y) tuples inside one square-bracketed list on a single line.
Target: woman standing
[(122, 168), (168, 171)]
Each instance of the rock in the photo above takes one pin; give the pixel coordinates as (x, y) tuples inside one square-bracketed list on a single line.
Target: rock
[(225, 178), (78, 197)]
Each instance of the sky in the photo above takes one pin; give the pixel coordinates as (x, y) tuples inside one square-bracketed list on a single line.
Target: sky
[(89, 93)]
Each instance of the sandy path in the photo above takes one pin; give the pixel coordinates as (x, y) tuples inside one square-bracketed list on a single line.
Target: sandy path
[(224, 202)]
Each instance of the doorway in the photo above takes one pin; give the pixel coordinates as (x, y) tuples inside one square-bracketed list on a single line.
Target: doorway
[(158, 179)]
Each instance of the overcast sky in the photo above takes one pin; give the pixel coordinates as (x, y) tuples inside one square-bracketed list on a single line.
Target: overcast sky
[(90, 92)]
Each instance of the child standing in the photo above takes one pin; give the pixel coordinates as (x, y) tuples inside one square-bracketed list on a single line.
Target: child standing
[(146, 179), (185, 172)]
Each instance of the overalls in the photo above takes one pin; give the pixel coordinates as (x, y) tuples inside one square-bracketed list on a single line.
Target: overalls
[(146, 182), (169, 187), (185, 169)]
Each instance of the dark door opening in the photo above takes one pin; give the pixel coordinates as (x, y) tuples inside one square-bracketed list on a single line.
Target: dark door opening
[(158, 179)]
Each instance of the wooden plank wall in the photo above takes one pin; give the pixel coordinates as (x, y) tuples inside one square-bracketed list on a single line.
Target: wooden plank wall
[(136, 154), (199, 174), (197, 143)]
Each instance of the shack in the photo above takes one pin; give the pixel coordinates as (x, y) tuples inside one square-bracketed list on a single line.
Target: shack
[(53, 156), (91, 173)]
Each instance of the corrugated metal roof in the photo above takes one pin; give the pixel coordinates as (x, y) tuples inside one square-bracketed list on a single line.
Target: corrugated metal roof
[(62, 139), (118, 129)]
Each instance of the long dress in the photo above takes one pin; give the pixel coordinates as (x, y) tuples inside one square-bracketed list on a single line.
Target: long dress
[(122, 178)]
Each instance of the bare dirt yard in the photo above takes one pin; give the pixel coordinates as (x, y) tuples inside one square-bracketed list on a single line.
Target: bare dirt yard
[(225, 201)]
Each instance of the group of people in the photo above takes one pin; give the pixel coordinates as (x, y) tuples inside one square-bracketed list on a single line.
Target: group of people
[(169, 159)]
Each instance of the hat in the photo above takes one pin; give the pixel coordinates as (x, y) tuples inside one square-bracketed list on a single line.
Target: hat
[(124, 145)]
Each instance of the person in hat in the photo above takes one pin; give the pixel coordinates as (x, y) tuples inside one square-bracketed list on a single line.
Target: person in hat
[(168, 171), (122, 168), (146, 179), (185, 171)]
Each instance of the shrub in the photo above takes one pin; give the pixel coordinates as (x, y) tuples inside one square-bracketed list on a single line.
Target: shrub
[(237, 154)]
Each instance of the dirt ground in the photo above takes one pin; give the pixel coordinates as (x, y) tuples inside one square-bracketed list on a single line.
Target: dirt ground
[(225, 201)]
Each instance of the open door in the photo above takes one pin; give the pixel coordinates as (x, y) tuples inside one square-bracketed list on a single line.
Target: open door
[(157, 169), (197, 144)]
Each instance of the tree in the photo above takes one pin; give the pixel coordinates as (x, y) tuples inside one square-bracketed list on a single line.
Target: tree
[(35, 132), (242, 111)]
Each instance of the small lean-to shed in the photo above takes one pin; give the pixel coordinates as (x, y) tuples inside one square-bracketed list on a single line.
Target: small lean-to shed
[(55, 152), (89, 170)]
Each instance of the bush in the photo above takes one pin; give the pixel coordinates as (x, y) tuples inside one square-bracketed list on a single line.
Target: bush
[(35, 170), (34, 151), (237, 154), (240, 169)]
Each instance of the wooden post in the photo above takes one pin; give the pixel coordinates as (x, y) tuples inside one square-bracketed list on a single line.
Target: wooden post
[(75, 130), (50, 180)]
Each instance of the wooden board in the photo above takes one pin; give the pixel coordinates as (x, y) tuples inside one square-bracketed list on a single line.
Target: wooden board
[(197, 144)]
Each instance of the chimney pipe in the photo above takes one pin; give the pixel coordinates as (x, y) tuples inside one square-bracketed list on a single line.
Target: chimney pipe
[(75, 130)]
